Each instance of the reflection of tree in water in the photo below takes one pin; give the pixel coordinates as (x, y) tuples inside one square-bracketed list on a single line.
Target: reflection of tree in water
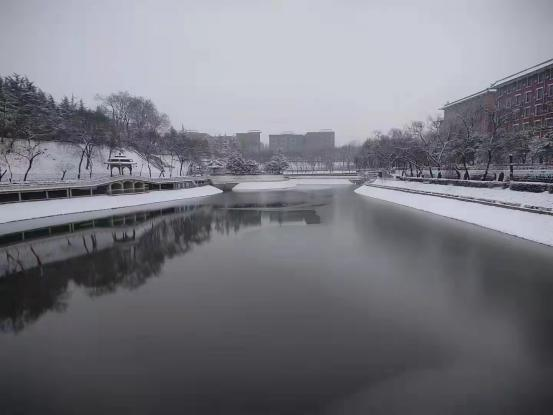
[(127, 262)]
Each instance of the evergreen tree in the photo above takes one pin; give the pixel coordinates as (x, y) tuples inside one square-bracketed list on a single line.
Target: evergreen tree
[(277, 164)]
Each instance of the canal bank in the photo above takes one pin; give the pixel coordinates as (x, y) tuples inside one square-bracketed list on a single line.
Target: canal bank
[(534, 223), (11, 212), (332, 303)]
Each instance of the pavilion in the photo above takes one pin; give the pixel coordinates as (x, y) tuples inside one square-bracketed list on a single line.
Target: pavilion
[(120, 162)]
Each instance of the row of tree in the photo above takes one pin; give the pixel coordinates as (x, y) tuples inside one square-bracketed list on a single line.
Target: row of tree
[(437, 147), (29, 117)]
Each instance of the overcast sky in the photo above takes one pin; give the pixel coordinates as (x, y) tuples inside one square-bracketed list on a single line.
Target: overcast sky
[(226, 66)]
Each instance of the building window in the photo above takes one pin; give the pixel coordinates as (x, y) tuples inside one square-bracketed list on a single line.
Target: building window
[(538, 109), (551, 90), (528, 96), (539, 93), (549, 122), (541, 76), (527, 111), (517, 99), (526, 126)]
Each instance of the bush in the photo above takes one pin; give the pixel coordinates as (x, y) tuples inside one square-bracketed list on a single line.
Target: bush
[(456, 182), (529, 187)]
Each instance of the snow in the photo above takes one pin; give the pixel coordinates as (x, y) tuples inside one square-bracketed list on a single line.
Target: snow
[(259, 185), (322, 181), (498, 194), (60, 155), (30, 210), (284, 184), (532, 226)]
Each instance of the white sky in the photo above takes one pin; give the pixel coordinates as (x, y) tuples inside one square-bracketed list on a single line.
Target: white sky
[(226, 66)]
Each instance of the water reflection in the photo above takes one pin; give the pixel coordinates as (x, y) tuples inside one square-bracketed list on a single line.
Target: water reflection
[(102, 255), (375, 309)]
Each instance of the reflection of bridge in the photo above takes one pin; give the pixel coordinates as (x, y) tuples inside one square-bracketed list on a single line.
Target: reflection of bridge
[(38, 190), (113, 224)]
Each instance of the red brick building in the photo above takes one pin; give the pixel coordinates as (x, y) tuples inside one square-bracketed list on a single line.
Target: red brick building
[(523, 100), (528, 97), (474, 109)]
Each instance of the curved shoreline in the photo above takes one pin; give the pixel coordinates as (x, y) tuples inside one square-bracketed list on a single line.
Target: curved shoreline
[(523, 224), (12, 212)]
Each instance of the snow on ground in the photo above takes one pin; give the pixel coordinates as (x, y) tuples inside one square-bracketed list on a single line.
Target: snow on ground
[(321, 181), (60, 156), (289, 184), (498, 194), (532, 226), (258, 186), (29, 210)]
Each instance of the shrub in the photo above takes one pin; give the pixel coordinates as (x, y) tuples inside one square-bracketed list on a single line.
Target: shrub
[(529, 187)]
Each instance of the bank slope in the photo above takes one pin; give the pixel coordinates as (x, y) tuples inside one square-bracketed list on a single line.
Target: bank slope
[(532, 226), (11, 212)]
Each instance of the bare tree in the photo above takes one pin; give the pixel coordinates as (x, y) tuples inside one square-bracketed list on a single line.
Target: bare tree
[(28, 150)]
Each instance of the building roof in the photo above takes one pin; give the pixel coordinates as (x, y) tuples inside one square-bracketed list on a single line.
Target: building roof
[(468, 97), (524, 72)]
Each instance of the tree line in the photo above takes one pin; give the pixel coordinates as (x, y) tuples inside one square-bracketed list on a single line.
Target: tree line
[(29, 117), (451, 147)]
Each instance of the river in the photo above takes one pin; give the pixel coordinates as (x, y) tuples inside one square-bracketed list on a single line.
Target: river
[(311, 301)]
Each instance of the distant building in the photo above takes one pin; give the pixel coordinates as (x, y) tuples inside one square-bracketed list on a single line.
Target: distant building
[(288, 143), (474, 109), (250, 142), (317, 141), (310, 143), (528, 95), (524, 100)]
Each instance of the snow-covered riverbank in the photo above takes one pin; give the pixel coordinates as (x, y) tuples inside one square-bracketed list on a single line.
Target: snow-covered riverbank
[(495, 194), (30, 210), (288, 184), (532, 226)]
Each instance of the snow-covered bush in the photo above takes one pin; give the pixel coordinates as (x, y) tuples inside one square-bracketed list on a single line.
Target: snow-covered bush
[(277, 164)]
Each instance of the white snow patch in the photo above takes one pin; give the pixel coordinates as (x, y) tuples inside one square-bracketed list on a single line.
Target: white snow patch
[(257, 186), (532, 226), (30, 210), (322, 181), (283, 184), (59, 156), (498, 194)]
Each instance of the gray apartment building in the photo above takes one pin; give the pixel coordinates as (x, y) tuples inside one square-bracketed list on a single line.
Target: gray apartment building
[(250, 142), (310, 143)]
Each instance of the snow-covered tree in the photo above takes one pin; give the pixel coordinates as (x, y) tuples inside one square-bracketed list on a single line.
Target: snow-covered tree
[(236, 164), (277, 164)]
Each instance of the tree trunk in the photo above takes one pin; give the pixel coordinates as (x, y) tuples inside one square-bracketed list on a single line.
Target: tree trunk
[(28, 168), (2, 174), (63, 175), (458, 173), (80, 165), (485, 176), (467, 175), (430, 170)]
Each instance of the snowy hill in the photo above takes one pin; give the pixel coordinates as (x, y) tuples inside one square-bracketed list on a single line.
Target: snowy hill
[(59, 156)]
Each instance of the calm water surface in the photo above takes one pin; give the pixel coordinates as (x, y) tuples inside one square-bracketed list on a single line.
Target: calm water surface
[(300, 302)]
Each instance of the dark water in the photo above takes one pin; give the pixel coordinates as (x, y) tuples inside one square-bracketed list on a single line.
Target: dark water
[(300, 302)]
